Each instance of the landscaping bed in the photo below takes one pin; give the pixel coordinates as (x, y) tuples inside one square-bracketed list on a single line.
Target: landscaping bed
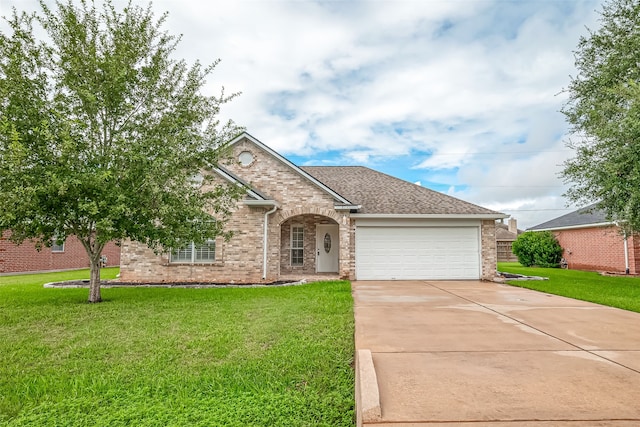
[(196, 285)]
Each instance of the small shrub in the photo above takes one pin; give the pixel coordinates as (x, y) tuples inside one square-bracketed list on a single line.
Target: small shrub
[(539, 248)]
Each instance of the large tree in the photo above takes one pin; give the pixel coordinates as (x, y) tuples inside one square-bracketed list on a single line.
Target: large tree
[(102, 132), (604, 112)]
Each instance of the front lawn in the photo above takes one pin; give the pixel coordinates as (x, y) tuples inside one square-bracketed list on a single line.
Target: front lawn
[(276, 356), (619, 291)]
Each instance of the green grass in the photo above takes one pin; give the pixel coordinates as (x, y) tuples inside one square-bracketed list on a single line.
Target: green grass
[(622, 292), (278, 356), (41, 278)]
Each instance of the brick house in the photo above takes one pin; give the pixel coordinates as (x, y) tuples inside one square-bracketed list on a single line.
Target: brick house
[(70, 255), (347, 222), (591, 242)]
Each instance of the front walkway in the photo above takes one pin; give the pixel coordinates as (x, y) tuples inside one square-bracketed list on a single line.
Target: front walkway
[(482, 354)]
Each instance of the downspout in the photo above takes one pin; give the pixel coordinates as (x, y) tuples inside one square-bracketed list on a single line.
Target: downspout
[(264, 244), (626, 247), (626, 254)]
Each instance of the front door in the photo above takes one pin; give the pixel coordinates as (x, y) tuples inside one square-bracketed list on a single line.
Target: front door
[(327, 248)]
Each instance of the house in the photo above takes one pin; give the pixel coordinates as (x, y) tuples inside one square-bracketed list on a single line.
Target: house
[(591, 242), (69, 255), (505, 236), (348, 222)]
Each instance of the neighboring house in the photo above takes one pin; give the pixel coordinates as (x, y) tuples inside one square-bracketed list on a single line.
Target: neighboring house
[(347, 222), (505, 236), (591, 242), (70, 255)]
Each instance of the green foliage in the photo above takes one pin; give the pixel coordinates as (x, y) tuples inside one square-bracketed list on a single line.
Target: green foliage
[(620, 292), (604, 112), (101, 131), (540, 248), (278, 356)]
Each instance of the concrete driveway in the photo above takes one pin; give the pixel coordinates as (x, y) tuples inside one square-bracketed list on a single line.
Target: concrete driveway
[(478, 354)]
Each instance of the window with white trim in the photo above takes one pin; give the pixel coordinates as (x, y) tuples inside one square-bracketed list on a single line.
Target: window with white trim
[(195, 254), (55, 247), (297, 245)]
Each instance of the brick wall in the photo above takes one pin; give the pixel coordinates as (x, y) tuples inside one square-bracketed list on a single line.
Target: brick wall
[(598, 249), (241, 259), (17, 258), (488, 251)]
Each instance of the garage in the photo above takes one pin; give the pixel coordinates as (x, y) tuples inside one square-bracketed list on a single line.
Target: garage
[(405, 252)]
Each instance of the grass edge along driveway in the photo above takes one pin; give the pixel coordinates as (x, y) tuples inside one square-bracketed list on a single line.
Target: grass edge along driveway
[(614, 291), (278, 356)]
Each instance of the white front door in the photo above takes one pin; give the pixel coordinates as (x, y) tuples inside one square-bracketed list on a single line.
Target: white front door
[(327, 248)]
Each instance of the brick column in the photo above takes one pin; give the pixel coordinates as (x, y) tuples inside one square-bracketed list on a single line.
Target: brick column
[(488, 251)]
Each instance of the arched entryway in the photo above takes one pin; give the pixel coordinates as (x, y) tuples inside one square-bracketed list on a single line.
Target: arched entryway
[(309, 244)]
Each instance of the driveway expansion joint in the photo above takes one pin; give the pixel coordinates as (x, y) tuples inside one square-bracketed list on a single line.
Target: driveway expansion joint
[(581, 349)]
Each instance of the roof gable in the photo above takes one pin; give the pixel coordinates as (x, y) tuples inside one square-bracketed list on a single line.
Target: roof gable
[(588, 216), (383, 194), (340, 199)]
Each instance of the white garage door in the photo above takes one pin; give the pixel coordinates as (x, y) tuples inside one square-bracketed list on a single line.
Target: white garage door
[(410, 253)]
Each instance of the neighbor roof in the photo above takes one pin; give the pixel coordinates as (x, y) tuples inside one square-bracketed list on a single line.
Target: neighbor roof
[(587, 216), (379, 193), (503, 233)]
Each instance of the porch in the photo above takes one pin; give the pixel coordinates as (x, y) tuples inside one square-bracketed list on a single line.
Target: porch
[(310, 248)]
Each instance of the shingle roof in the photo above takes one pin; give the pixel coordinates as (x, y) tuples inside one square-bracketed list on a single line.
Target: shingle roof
[(503, 233), (585, 216), (379, 193)]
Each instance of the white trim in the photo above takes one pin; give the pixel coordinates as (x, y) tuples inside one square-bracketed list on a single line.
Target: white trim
[(291, 165), (430, 216), (416, 222), (261, 203), (235, 181), (346, 207), (193, 247), (574, 227), (291, 248)]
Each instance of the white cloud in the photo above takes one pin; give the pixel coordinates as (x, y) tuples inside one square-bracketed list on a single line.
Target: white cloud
[(466, 90)]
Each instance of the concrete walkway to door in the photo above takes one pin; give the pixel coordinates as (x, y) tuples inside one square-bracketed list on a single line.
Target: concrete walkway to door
[(480, 354)]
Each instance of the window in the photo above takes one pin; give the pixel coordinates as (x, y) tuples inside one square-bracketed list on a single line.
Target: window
[(246, 158), (297, 245), (195, 254), (55, 247)]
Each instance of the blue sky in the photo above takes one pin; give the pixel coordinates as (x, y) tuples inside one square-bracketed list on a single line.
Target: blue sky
[(462, 96)]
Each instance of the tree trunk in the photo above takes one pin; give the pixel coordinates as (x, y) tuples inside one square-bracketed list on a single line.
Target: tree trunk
[(94, 284)]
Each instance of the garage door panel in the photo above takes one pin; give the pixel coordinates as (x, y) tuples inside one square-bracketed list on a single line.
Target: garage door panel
[(404, 253)]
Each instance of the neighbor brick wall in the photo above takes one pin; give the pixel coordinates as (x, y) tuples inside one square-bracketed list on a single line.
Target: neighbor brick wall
[(17, 258), (598, 249)]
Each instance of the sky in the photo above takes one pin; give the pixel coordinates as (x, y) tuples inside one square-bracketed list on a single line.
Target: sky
[(460, 96)]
